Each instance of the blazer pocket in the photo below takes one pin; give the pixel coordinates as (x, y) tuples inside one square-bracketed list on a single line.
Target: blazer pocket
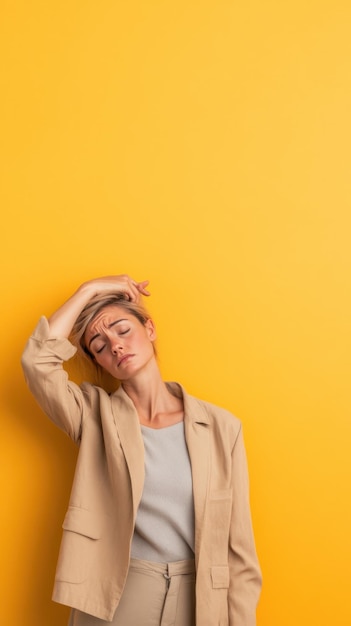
[(81, 521), (220, 576), (79, 545)]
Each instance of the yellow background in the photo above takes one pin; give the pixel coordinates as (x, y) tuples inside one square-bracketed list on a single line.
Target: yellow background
[(204, 145)]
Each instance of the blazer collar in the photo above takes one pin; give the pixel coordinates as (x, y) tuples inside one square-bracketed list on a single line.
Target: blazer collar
[(194, 409)]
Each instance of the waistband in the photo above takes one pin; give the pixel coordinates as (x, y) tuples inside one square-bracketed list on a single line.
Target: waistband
[(175, 568)]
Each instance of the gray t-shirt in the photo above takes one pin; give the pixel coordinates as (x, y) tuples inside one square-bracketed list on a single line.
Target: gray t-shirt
[(164, 530)]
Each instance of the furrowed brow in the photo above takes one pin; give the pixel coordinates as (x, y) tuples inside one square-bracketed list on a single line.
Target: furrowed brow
[(116, 322), (109, 326)]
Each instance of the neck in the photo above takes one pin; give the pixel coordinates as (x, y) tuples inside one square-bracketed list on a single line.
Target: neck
[(154, 403)]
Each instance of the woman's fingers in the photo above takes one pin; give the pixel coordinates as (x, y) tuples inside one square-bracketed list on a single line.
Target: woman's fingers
[(141, 287), (121, 283), (132, 288)]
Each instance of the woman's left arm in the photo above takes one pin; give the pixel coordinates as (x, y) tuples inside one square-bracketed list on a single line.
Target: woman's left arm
[(245, 574)]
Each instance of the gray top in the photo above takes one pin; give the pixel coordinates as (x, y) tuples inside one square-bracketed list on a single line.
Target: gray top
[(164, 530)]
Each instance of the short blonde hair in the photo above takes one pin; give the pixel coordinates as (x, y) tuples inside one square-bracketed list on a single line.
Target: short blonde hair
[(93, 307)]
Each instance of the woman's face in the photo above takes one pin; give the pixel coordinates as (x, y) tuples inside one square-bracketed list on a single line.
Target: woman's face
[(119, 342)]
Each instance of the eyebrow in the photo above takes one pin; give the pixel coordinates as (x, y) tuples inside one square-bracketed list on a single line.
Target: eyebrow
[(109, 326)]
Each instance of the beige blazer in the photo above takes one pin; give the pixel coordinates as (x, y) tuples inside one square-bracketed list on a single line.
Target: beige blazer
[(107, 488)]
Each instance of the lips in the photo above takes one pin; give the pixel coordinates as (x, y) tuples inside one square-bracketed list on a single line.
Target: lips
[(124, 358)]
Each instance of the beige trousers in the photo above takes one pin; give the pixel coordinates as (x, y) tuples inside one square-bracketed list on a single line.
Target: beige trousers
[(155, 594)]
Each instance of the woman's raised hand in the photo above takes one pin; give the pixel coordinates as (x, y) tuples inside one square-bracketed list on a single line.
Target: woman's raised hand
[(61, 322), (118, 284)]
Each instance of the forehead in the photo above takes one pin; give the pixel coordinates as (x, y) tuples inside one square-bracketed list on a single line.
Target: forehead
[(106, 316)]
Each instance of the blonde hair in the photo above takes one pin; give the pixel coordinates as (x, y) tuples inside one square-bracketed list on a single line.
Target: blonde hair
[(93, 307)]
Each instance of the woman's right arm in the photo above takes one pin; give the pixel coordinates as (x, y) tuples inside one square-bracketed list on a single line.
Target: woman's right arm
[(48, 347)]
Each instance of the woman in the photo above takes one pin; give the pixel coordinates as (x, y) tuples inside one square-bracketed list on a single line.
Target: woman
[(158, 528)]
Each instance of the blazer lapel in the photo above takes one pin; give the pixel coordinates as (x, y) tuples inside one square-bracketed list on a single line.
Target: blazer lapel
[(129, 432), (197, 435)]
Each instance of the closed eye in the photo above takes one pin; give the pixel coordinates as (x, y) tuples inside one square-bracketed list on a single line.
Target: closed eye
[(122, 332)]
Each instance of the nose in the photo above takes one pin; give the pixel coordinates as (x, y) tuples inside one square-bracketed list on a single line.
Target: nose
[(116, 346)]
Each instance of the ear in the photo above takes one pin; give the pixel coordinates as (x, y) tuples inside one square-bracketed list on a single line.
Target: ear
[(150, 329)]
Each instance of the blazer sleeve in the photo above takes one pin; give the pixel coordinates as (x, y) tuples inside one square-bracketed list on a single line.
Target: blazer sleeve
[(245, 574), (61, 399)]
